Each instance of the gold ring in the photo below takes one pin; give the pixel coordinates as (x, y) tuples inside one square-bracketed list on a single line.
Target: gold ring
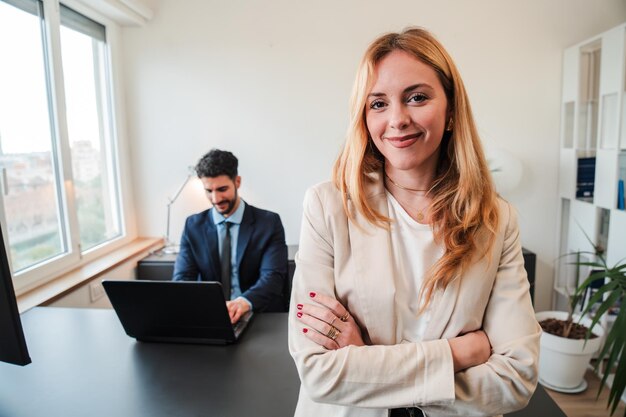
[(345, 316), (333, 333), (333, 320)]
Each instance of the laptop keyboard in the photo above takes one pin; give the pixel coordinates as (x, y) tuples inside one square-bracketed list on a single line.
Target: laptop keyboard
[(238, 326), (241, 324)]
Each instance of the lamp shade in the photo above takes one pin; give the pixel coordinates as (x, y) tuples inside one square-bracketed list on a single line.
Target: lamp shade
[(506, 169)]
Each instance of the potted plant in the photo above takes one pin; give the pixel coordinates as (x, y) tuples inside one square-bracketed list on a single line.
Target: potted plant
[(610, 293), (565, 348), (601, 292)]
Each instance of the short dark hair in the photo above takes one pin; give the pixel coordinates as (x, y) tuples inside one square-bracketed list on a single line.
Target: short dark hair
[(217, 162)]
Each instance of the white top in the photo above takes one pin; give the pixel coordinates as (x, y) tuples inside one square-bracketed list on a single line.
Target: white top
[(414, 251)]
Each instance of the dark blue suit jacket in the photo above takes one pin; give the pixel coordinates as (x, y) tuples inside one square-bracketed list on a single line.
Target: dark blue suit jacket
[(261, 256)]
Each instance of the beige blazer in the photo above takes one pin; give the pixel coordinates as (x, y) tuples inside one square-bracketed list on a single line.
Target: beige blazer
[(336, 257)]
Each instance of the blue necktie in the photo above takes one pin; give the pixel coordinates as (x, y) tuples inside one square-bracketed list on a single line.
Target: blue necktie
[(225, 261)]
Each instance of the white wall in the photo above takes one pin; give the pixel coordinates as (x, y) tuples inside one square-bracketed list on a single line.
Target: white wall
[(270, 81)]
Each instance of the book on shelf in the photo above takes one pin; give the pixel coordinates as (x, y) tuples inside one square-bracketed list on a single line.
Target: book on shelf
[(585, 178)]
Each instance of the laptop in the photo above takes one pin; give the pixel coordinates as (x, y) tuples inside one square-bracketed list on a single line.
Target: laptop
[(174, 311)]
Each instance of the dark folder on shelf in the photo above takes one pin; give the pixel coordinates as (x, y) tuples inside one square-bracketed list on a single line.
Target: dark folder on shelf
[(585, 178)]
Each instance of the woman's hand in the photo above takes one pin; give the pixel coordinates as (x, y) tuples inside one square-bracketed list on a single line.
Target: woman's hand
[(329, 323), (470, 349)]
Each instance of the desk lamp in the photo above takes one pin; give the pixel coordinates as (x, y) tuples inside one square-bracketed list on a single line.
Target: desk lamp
[(506, 170), (172, 247)]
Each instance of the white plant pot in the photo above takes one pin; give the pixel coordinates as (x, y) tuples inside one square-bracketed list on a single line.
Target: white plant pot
[(563, 362)]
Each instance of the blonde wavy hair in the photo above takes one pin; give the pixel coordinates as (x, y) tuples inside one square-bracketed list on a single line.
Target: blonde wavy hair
[(464, 209)]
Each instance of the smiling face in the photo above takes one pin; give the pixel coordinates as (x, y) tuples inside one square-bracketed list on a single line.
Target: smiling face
[(222, 193), (406, 113)]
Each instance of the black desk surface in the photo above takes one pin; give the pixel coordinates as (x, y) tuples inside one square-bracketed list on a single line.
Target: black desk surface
[(85, 365), (170, 258)]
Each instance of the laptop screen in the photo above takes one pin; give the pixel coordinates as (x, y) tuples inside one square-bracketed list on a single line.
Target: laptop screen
[(172, 311)]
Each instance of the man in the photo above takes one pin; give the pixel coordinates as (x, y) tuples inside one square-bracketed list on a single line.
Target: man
[(235, 243)]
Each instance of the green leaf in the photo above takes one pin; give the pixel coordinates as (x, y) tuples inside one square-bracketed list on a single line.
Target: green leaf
[(619, 383), (608, 295), (617, 339), (598, 296), (608, 303)]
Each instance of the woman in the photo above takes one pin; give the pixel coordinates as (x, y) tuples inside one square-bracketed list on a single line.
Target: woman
[(410, 292)]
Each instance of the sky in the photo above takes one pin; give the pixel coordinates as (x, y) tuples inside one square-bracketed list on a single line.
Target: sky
[(24, 121)]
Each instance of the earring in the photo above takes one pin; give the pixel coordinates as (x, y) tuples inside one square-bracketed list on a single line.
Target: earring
[(450, 125)]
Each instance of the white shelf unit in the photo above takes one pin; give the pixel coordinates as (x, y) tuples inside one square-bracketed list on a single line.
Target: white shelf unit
[(593, 127)]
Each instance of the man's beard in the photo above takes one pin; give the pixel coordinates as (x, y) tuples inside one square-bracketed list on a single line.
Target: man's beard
[(231, 205)]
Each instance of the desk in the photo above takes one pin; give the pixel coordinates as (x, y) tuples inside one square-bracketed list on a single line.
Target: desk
[(160, 266), (84, 365), (156, 266)]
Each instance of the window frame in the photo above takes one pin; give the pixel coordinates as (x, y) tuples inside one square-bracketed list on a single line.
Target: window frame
[(47, 271)]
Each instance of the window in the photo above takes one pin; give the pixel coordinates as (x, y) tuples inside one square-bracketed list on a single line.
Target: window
[(58, 154), (30, 184), (83, 52)]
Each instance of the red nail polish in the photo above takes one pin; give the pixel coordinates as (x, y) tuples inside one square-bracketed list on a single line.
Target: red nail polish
[(299, 314), (305, 330), (311, 294), (299, 306)]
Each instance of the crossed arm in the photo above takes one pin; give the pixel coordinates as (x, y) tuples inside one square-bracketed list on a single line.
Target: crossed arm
[(329, 324), (458, 375)]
